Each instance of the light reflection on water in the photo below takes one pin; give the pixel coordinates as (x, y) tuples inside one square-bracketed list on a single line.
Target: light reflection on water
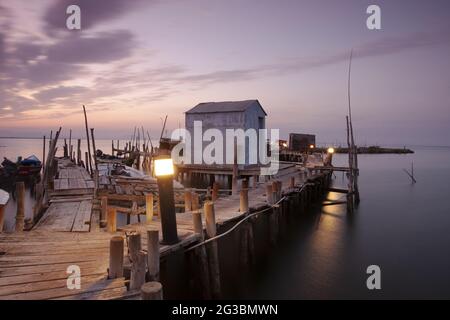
[(403, 228)]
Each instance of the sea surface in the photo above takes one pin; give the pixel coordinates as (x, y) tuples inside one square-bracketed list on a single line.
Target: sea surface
[(401, 227)]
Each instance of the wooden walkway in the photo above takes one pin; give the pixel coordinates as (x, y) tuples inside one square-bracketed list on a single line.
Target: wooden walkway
[(70, 201), (33, 265)]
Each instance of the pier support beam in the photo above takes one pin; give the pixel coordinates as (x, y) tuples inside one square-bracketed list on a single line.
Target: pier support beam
[(115, 257), (152, 291), (213, 253), (153, 254)]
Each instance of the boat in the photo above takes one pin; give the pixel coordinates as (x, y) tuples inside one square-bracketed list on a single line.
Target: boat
[(29, 166)]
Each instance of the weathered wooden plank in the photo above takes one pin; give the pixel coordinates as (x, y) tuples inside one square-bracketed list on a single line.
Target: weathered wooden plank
[(46, 284), (83, 217), (89, 287), (64, 184)]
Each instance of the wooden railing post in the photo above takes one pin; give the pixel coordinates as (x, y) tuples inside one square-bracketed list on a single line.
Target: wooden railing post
[(187, 200), (116, 257), (149, 207), (20, 214), (112, 220)]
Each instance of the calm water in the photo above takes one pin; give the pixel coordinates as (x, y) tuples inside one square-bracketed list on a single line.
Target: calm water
[(403, 228)]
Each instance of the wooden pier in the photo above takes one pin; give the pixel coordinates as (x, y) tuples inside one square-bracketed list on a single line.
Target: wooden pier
[(34, 264)]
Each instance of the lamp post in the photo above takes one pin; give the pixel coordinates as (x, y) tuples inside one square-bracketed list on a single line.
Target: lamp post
[(164, 175)]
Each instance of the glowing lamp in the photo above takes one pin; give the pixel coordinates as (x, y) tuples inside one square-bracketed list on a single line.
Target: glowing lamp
[(311, 146), (330, 150), (163, 167), (164, 177)]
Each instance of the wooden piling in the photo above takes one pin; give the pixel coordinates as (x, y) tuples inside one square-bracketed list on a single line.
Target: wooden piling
[(20, 198), (153, 254), (112, 220), (79, 152), (149, 207), (134, 245), (292, 183), (137, 278), (243, 201), (197, 222), (116, 257), (195, 201), (213, 254), (89, 160), (269, 194), (152, 291), (187, 200), (104, 208), (215, 191)]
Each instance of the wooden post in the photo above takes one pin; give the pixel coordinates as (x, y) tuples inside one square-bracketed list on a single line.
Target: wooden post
[(234, 181), (134, 245), (195, 201), (215, 191), (149, 207), (137, 278), (152, 291), (111, 220), (65, 149), (255, 182), (79, 152), (198, 224), (86, 161), (275, 191), (70, 144), (94, 149), (213, 254), (243, 207), (43, 156), (88, 143), (2, 217), (210, 219), (269, 194), (116, 257), (153, 254), (292, 183), (20, 214), (104, 208), (187, 200)]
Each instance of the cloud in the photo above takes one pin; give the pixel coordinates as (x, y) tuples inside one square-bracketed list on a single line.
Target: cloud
[(93, 12), (100, 48), (382, 47), (60, 92)]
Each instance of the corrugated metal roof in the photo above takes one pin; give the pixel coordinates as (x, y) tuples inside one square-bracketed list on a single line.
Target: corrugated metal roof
[(225, 106)]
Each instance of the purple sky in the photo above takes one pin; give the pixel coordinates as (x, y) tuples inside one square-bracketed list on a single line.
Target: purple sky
[(135, 61)]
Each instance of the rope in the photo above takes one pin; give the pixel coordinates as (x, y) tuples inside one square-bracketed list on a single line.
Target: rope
[(243, 220)]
